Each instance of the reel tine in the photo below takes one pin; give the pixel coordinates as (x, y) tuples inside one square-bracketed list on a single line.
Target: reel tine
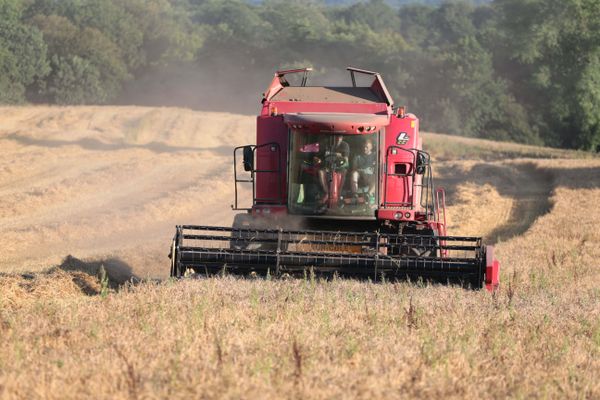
[(360, 254)]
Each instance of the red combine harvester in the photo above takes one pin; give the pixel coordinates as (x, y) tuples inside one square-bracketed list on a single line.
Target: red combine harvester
[(340, 184)]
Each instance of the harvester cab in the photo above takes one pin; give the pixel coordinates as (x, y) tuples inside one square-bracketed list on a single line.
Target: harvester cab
[(337, 183)]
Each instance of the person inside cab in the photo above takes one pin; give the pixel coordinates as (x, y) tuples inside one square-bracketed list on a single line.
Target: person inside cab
[(334, 158), (364, 166)]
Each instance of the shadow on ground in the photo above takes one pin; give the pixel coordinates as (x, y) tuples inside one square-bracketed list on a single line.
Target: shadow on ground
[(529, 186), (97, 145), (578, 178), (117, 271), (72, 277)]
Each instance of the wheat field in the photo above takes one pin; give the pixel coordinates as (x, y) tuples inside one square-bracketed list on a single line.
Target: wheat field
[(89, 197)]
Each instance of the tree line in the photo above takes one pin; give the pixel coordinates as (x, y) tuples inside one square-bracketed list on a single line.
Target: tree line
[(526, 71)]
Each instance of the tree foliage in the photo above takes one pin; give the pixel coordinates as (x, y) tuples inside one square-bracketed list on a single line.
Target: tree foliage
[(22, 53), (555, 51), (95, 46)]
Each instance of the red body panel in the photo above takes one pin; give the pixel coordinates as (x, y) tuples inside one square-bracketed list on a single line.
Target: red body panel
[(285, 107), (334, 189), (492, 270), (396, 192), (396, 188), (271, 185)]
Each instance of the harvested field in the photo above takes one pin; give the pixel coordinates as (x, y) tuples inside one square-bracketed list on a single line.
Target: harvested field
[(88, 200), (109, 184)]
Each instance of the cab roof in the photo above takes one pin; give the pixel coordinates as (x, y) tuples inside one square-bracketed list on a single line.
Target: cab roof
[(326, 94), (280, 90)]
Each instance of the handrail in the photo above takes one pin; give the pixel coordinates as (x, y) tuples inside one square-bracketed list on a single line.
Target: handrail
[(387, 174), (440, 193), (426, 184), (253, 172)]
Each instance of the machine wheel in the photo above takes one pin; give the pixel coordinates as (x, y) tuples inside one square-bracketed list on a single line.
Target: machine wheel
[(240, 221), (175, 273), (172, 257)]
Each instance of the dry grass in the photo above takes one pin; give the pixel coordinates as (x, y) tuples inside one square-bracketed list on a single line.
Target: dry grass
[(63, 334), (450, 147), (226, 338)]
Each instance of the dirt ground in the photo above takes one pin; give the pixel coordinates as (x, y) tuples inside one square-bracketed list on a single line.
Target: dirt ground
[(110, 183)]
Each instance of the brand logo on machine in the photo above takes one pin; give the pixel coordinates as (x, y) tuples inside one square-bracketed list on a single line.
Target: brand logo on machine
[(402, 138)]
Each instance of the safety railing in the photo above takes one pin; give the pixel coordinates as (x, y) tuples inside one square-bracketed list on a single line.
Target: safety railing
[(426, 184), (279, 200)]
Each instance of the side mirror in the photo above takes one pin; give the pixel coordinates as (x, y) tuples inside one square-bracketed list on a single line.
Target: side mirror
[(248, 158), (422, 161)]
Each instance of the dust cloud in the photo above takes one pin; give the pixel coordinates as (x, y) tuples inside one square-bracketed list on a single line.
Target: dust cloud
[(217, 86)]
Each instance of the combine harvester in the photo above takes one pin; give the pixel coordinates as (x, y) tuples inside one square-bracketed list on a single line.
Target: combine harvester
[(340, 184)]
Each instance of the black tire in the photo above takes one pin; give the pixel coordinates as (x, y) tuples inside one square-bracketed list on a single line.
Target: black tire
[(240, 221)]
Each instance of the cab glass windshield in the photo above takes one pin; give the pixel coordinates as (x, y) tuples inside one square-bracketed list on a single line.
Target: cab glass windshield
[(333, 175)]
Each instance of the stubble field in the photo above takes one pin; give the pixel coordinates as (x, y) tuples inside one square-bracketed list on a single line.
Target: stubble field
[(85, 187)]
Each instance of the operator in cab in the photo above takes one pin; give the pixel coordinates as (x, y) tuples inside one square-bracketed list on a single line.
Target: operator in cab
[(364, 166), (334, 158)]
